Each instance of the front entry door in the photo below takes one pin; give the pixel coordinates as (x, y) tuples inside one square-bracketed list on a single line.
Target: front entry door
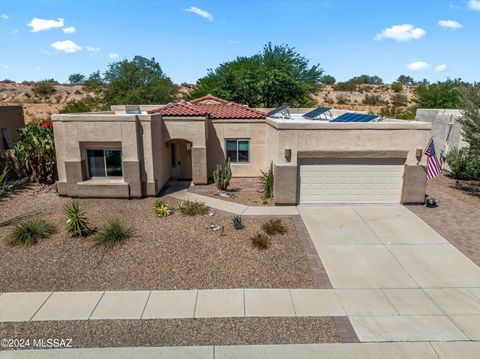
[(181, 154)]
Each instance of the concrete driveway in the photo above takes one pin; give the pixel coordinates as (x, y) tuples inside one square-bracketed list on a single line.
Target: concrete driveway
[(396, 278), (385, 247)]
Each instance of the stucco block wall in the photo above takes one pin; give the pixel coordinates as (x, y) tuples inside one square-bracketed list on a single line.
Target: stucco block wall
[(221, 130)]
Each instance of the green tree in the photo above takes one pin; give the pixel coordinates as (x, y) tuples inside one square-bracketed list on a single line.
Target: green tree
[(35, 149), (328, 80), (278, 75), (139, 81), (76, 79), (405, 80), (470, 105), (366, 80), (87, 104), (439, 95)]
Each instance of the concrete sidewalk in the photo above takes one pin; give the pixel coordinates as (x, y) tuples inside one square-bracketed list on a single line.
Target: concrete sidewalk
[(233, 207), (427, 350), (437, 314)]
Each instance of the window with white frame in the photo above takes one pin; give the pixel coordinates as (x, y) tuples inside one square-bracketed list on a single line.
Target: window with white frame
[(238, 150), (104, 163)]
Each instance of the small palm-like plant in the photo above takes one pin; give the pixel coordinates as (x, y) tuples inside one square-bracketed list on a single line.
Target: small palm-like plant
[(237, 222), (29, 232), (77, 223), (112, 233), (162, 209)]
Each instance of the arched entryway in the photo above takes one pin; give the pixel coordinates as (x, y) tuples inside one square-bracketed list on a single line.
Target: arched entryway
[(180, 154)]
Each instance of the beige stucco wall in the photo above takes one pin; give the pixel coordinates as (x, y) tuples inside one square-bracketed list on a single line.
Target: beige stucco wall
[(221, 130), (338, 137)]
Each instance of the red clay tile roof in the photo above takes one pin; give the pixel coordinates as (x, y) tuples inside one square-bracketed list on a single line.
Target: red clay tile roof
[(210, 106)]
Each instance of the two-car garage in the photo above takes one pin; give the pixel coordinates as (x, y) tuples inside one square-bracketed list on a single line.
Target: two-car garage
[(350, 180)]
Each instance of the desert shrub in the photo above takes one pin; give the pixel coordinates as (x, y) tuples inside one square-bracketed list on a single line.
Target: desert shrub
[(396, 87), (77, 223), (328, 80), (260, 241), (3, 182), (267, 183), (162, 208), (43, 88), (29, 232), (342, 99), (87, 104), (403, 113), (237, 222), (464, 164), (192, 208), (274, 226), (112, 233), (345, 86), (373, 100), (399, 100), (222, 176)]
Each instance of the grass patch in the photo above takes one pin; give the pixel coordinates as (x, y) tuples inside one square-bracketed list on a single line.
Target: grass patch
[(260, 241), (112, 233), (162, 208), (29, 232), (192, 208), (274, 226)]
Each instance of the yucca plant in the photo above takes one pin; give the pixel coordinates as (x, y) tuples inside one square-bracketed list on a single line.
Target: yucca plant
[(237, 222), (29, 232), (77, 223), (112, 233), (162, 208)]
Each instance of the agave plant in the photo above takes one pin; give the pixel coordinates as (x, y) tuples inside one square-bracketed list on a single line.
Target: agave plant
[(77, 223), (162, 209), (237, 222)]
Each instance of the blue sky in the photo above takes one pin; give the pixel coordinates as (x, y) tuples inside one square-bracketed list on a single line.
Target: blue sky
[(51, 38)]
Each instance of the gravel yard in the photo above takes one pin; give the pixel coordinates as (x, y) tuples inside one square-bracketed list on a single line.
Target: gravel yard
[(465, 191), (177, 332), (176, 252), (246, 191)]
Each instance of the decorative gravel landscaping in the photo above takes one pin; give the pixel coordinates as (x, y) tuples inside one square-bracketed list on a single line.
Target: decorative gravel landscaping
[(465, 191), (174, 252), (176, 332), (246, 191)]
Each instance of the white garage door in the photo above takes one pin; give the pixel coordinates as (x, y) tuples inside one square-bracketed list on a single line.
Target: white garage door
[(350, 181)]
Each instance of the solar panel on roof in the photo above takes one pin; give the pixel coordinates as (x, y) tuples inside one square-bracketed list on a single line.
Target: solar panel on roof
[(277, 110), (317, 112), (354, 117)]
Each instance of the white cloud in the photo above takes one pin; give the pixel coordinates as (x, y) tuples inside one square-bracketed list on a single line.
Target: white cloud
[(200, 12), (66, 46), (405, 32), (4, 16), (69, 30), (92, 49), (441, 68), (418, 65), (450, 24), (41, 24), (113, 55), (474, 5)]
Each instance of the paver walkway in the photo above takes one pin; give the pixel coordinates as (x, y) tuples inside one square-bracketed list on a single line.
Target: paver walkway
[(455, 350)]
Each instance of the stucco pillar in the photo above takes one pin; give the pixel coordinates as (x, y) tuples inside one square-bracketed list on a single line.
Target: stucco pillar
[(74, 173), (285, 184), (131, 175), (414, 184), (199, 165)]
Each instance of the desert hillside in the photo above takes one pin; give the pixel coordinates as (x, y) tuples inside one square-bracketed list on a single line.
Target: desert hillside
[(369, 98)]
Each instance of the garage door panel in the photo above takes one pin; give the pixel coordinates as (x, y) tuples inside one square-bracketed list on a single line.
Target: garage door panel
[(350, 181)]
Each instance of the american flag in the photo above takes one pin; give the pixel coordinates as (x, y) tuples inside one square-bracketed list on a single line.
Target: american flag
[(433, 165)]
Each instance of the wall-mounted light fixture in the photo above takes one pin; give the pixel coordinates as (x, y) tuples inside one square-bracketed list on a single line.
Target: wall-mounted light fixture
[(288, 154), (419, 153)]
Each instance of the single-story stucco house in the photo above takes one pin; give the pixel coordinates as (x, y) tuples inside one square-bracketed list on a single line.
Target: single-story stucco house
[(133, 151)]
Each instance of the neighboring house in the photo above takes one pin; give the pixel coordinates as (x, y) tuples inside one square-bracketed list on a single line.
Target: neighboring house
[(132, 152), (11, 119), (446, 130)]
